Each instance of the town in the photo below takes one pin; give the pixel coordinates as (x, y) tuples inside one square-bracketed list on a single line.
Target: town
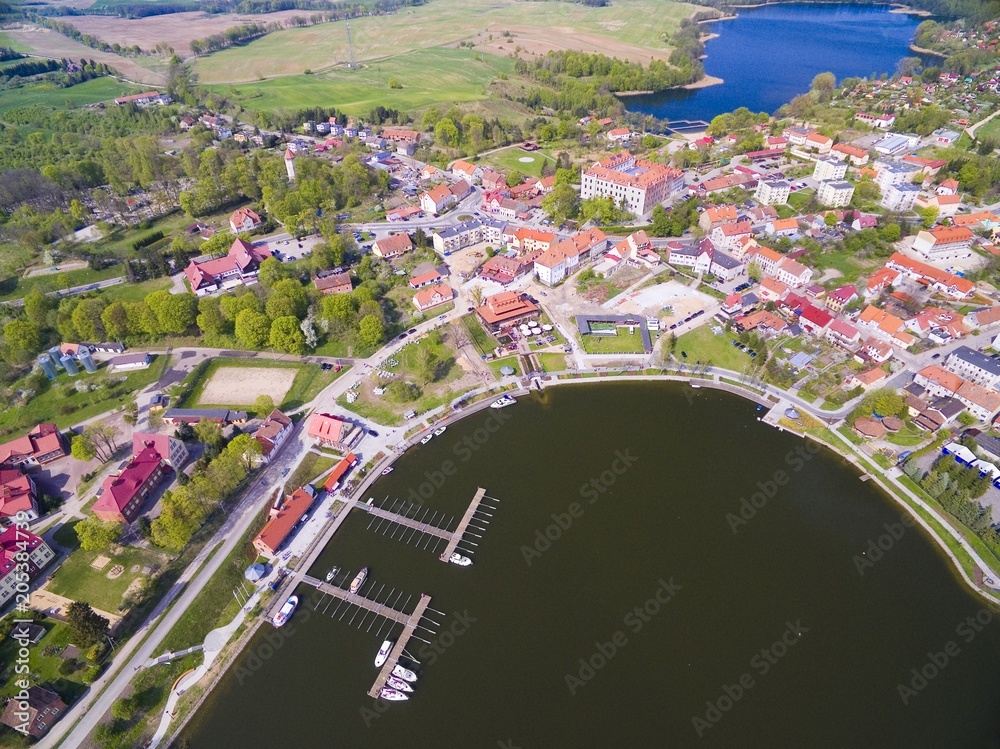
[(300, 306)]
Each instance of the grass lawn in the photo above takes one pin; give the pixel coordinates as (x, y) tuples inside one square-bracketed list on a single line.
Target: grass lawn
[(553, 362), (799, 200), (308, 382), (509, 361), (990, 130), (6, 40), (76, 579), (511, 158), (848, 265), (63, 403), (701, 345), (430, 76), (482, 341), (134, 292), (16, 287), (380, 414), (311, 466), (44, 668), (47, 94), (623, 343)]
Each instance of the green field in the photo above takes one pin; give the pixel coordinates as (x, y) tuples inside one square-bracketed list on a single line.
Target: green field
[(432, 76), (49, 95), (7, 41), (799, 200), (510, 158), (990, 130), (623, 343), (701, 345), (44, 668), (629, 29), (16, 288)]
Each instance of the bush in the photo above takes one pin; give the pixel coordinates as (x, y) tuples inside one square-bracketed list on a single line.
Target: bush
[(68, 667), (93, 674)]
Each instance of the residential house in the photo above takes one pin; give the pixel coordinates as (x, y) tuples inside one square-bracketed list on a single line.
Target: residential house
[(563, 258), (982, 319), (15, 544), (815, 320), (634, 184), (790, 272), (714, 216), (844, 152), (333, 283), (980, 402), (939, 414), (874, 350), (425, 279), (41, 445), (619, 134), (880, 121), (944, 243), (764, 322), (772, 290), (239, 266), (282, 521), (948, 187), (838, 299), (865, 380), (705, 258), (464, 170), (843, 334), (894, 173), (829, 169), (34, 715), (978, 220), (836, 194), (761, 214), (935, 280), (504, 270), (946, 205), (122, 495), (392, 246), (818, 142), (937, 381), (526, 239), (969, 364), (725, 236), (332, 431), (433, 296), (796, 135), (782, 227), (18, 497), (272, 433), (244, 220), (886, 326), (861, 221), (437, 199), (493, 180), (772, 192), (400, 135), (505, 309), (173, 451), (940, 325)]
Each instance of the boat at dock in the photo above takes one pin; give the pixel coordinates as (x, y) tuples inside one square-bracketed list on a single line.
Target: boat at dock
[(425, 440), (460, 560), (439, 432), (403, 673), (503, 402), (387, 471), (393, 695), (334, 571), (383, 653), (284, 614), (357, 582), (398, 684)]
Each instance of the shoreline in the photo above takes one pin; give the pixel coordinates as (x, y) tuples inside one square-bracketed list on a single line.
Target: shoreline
[(923, 51), (704, 82), (908, 11)]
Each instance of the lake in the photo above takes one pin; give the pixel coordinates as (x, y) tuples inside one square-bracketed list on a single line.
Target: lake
[(623, 592), (769, 55)]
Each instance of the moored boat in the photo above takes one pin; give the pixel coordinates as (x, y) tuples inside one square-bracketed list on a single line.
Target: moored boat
[(393, 695), (403, 673), (334, 571), (425, 440), (398, 684), (285, 613), (383, 653), (460, 560), (387, 471), (358, 581), (439, 432), (503, 402)]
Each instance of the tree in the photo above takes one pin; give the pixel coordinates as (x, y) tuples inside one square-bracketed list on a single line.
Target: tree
[(96, 535), (561, 203), (209, 432), (371, 331), (37, 306), (271, 271), (252, 328), (824, 84), (175, 313), (87, 625), (446, 133), (928, 215), (131, 409), (263, 405), (754, 271), (22, 340), (82, 448), (116, 321), (210, 319), (288, 297), (477, 295), (247, 448), (286, 335)]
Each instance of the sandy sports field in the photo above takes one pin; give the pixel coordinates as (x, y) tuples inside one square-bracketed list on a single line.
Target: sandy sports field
[(650, 301), (242, 385)]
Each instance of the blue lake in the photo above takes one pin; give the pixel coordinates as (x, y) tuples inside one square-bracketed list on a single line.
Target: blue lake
[(769, 55)]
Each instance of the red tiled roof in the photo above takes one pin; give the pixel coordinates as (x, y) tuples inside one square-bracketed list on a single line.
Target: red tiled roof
[(339, 471), (326, 427), (119, 490), (274, 533)]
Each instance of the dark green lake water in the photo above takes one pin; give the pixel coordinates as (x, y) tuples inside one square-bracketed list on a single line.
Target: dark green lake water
[(773, 624)]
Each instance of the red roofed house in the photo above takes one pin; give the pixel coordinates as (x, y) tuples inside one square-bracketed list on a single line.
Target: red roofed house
[(840, 297), (122, 495), (843, 334), (332, 431), (172, 450), (725, 235), (41, 445), (339, 471), (239, 266), (18, 494), (716, 216), (392, 246), (334, 283), (433, 296), (505, 309), (503, 270), (944, 243), (437, 199), (815, 320), (425, 279), (14, 542), (620, 134), (272, 434), (282, 521), (244, 220), (34, 715)]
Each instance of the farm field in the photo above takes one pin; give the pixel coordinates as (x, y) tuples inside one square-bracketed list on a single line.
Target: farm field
[(432, 76), (46, 94), (630, 29)]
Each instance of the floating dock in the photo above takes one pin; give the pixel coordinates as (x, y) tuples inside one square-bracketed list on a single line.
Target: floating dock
[(397, 650), (463, 525), (379, 609)]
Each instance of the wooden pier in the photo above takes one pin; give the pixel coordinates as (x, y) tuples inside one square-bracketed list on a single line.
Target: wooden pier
[(408, 522), (463, 525), (379, 609), (397, 650)]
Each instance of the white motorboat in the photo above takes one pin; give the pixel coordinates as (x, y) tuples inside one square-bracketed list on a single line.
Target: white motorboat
[(439, 432), (387, 471), (503, 402), (383, 653), (398, 684), (403, 673), (284, 614), (425, 440), (357, 582), (332, 574), (393, 695), (460, 560)]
